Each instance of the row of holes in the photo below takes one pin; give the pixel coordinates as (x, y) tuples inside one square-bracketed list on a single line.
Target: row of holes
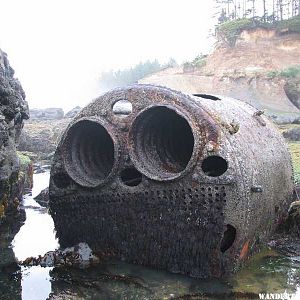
[(129, 176), (212, 166), (229, 234)]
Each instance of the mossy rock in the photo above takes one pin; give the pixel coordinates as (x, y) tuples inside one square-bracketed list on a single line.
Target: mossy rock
[(292, 223), (291, 132), (294, 148)]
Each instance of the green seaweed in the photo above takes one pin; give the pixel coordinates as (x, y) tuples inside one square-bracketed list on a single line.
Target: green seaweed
[(24, 160)]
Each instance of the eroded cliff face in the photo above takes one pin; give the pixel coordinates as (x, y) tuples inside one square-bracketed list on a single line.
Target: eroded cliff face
[(243, 72), (13, 110), (256, 51)]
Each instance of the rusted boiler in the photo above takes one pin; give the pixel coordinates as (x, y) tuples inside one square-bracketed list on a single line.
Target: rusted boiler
[(188, 184)]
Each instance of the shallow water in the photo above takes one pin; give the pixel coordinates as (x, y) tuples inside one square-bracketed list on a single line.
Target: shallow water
[(267, 272)]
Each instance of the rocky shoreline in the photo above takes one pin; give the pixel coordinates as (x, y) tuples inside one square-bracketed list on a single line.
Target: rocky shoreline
[(40, 135)]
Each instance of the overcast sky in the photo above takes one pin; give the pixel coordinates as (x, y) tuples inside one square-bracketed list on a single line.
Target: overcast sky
[(58, 48)]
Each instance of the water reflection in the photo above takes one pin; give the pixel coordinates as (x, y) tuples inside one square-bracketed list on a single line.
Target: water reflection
[(35, 283), (35, 238), (268, 272)]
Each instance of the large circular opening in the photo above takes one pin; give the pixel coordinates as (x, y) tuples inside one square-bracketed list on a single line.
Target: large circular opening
[(89, 153), (163, 143)]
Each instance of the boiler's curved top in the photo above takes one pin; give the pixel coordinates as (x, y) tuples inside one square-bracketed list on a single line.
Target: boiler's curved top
[(221, 124)]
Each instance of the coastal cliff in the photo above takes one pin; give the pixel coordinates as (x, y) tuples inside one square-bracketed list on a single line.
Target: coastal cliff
[(261, 68)]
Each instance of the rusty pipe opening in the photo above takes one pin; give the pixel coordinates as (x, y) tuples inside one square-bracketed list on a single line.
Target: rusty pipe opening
[(162, 142), (89, 153)]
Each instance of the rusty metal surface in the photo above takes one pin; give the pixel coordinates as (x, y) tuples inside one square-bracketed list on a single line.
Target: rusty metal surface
[(189, 184)]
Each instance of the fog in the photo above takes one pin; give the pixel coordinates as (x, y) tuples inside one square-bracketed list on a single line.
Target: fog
[(59, 48)]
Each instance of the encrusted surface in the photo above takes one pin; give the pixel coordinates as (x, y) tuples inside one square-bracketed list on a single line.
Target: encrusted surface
[(13, 110), (168, 229), (187, 218)]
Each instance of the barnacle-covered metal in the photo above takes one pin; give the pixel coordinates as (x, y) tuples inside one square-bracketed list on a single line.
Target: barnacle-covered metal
[(188, 184)]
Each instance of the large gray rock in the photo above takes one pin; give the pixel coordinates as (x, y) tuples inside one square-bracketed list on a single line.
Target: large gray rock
[(43, 197), (292, 223), (46, 114), (41, 136), (73, 112), (13, 110), (292, 134), (292, 90)]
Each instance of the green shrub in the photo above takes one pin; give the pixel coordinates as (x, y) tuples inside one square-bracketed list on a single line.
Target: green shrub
[(292, 24), (273, 74), (230, 30), (24, 160), (290, 72), (198, 62)]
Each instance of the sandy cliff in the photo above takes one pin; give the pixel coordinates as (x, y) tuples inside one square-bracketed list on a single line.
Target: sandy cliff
[(244, 72)]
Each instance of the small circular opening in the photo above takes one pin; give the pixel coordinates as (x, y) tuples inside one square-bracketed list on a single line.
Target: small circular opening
[(214, 166), (163, 143), (89, 153), (122, 108), (131, 177)]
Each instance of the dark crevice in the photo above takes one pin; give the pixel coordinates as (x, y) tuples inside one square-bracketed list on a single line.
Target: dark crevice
[(228, 238), (205, 96)]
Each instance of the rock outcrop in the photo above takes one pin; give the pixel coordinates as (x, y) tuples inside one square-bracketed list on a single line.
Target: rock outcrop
[(291, 225), (46, 114), (13, 110), (80, 255), (41, 137), (73, 112), (291, 132), (292, 90), (41, 133), (43, 197)]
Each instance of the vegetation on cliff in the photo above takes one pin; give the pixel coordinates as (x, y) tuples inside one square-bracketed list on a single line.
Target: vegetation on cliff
[(267, 11), (291, 72), (198, 62), (238, 15), (229, 31)]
